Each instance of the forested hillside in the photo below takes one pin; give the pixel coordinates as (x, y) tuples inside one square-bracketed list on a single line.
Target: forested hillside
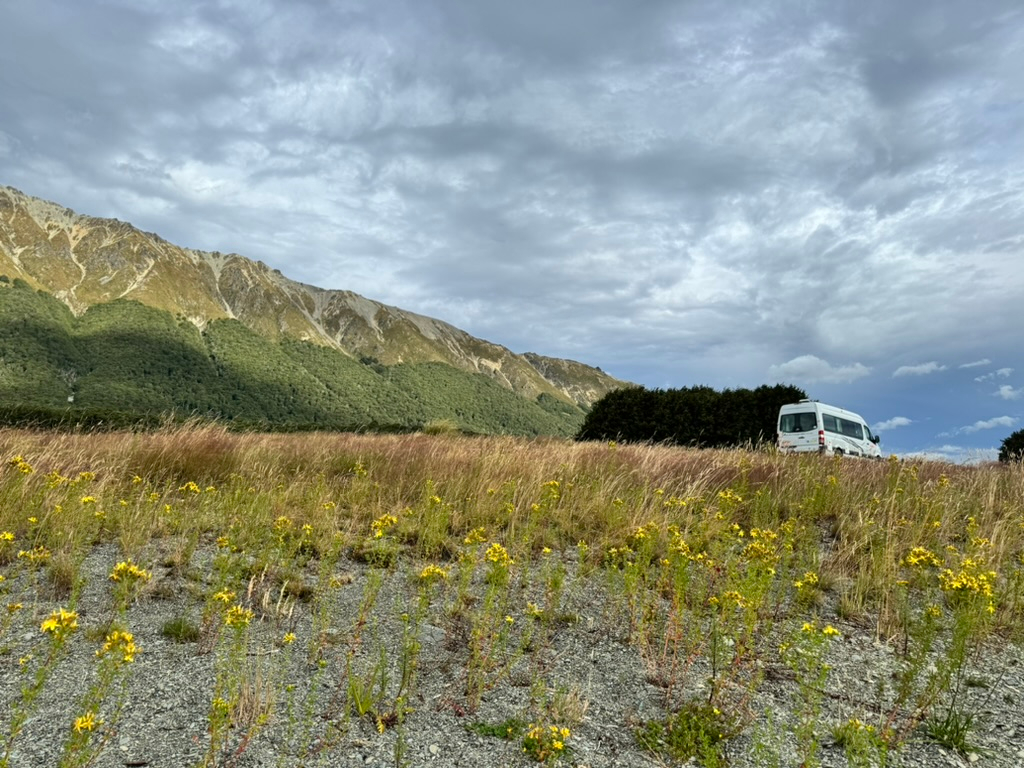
[(123, 361)]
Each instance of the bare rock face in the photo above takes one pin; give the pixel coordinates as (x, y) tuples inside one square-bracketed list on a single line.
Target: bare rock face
[(85, 261)]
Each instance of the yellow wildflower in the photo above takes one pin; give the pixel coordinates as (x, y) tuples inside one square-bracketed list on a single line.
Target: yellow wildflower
[(381, 525), (128, 571), (238, 616), (220, 706), (498, 555), (810, 579), (60, 624), (476, 536), (19, 463), (121, 643), (86, 723), (921, 557), (35, 555), (432, 573)]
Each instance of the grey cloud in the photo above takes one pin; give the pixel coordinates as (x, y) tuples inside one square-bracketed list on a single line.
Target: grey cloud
[(909, 49), (1001, 373), (569, 34), (893, 423), (810, 368), (918, 370), (998, 421), (1006, 392)]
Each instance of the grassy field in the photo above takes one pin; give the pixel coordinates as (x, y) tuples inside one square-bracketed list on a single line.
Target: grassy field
[(714, 563)]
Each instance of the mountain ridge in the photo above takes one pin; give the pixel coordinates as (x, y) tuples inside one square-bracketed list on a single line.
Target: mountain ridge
[(84, 261)]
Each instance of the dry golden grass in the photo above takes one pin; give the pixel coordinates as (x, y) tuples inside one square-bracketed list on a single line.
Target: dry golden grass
[(868, 515)]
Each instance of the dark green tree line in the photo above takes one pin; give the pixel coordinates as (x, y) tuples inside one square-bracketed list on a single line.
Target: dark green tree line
[(698, 416)]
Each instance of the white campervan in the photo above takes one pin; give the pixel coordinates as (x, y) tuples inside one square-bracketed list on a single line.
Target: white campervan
[(812, 426)]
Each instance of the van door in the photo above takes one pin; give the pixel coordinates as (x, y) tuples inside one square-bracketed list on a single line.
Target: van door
[(798, 430), (852, 439)]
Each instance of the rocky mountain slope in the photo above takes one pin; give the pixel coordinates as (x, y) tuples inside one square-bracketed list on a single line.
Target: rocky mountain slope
[(85, 261)]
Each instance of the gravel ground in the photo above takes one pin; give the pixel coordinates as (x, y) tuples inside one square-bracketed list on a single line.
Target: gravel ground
[(165, 725)]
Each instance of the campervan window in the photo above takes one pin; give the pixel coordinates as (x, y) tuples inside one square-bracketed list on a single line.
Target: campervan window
[(798, 422), (852, 429), (842, 426)]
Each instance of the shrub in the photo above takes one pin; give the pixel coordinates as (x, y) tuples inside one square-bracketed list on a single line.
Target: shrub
[(180, 630), (697, 730)]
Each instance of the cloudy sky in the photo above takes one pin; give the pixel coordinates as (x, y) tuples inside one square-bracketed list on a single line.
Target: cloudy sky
[(829, 194)]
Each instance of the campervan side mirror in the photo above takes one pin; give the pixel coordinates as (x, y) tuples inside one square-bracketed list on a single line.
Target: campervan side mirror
[(876, 439)]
